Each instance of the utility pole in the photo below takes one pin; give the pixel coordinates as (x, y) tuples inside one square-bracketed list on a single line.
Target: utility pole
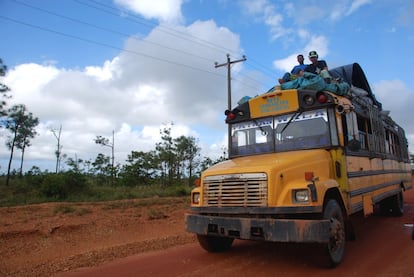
[(228, 64)]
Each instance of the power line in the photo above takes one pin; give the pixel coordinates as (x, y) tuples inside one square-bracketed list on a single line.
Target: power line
[(108, 30), (106, 45), (163, 28), (125, 35), (173, 32)]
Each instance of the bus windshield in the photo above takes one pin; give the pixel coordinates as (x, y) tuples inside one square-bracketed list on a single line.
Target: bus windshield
[(287, 132)]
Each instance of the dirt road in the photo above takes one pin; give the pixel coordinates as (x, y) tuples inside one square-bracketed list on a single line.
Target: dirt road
[(147, 238), (383, 248)]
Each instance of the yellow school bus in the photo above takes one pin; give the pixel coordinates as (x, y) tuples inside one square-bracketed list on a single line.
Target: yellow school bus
[(301, 162)]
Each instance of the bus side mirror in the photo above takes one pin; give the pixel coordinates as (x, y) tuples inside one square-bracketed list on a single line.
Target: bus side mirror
[(354, 145)]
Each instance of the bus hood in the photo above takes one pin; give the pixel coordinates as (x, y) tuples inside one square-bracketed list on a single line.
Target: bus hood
[(284, 172), (296, 161)]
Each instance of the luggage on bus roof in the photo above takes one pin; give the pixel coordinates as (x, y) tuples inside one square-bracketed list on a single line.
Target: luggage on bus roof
[(354, 76)]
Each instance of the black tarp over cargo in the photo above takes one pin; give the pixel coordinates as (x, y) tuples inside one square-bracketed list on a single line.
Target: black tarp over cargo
[(354, 76)]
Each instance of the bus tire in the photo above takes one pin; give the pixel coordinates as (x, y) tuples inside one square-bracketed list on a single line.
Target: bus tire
[(214, 244), (335, 248), (393, 205), (397, 204)]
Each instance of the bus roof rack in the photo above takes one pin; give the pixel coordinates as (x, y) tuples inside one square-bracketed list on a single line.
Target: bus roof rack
[(354, 76)]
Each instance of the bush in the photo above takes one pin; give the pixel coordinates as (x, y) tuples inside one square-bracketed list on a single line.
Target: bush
[(40, 187), (53, 186), (75, 182), (60, 186)]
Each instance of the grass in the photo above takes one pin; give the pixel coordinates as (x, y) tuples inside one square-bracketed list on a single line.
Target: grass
[(82, 211), (20, 193), (66, 209), (156, 213)]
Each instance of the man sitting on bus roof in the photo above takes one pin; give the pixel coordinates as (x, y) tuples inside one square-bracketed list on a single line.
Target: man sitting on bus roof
[(295, 72), (318, 67)]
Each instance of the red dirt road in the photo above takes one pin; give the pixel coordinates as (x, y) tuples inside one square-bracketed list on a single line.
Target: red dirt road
[(383, 247)]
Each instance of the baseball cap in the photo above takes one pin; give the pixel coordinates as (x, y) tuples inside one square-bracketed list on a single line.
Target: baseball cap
[(313, 54)]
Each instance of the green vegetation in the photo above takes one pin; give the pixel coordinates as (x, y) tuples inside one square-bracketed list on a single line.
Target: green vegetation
[(76, 187), (169, 170)]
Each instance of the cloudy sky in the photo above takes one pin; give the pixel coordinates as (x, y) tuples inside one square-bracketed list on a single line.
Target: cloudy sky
[(135, 66)]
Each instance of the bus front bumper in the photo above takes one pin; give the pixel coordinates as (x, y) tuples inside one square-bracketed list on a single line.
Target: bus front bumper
[(268, 229)]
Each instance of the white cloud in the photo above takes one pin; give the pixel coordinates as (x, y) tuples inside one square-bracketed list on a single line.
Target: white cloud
[(397, 98), (268, 13), (306, 14), (317, 43), (320, 44), (30, 77), (132, 94), (108, 71), (162, 10), (286, 64), (356, 4)]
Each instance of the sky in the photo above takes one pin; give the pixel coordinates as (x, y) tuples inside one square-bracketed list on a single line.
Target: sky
[(134, 67)]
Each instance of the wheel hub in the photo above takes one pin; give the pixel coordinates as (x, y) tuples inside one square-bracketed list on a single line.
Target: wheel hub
[(337, 234)]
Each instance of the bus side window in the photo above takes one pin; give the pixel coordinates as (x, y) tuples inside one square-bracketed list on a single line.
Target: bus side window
[(351, 132), (362, 131)]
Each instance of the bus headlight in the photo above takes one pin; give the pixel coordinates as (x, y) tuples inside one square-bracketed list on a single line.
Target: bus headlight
[(195, 198), (301, 195)]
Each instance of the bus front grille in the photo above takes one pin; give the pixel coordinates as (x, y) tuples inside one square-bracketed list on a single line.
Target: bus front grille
[(237, 190)]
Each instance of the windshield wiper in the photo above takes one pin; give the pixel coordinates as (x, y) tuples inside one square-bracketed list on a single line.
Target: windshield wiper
[(296, 114), (264, 132)]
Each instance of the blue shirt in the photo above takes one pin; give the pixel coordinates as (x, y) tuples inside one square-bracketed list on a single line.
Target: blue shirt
[(297, 68)]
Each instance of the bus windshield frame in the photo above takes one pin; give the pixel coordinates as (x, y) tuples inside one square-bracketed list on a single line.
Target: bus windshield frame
[(288, 132)]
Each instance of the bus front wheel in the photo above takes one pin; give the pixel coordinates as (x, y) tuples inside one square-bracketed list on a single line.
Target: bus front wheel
[(214, 244), (335, 248)]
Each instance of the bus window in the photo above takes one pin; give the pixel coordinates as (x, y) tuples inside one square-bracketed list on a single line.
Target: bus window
[(252, 137), (362, 131), (352, 134), (305, 131)]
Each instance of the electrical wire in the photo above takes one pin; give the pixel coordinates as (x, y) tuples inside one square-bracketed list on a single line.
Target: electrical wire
[(106, 45), (125, 35), (169, 31), (185, 36), (132, 17)]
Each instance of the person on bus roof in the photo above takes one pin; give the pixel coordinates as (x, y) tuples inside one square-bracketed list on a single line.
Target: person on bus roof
[(318, 67), (295, 72)]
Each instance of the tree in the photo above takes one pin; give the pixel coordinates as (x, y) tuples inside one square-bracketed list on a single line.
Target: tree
[(21, 124), (166, 155), (101, 167), (3, 90), (208, 162), (140, 168), (105, 142), (25, 133), (187, 152), (177, 156), (74, 164), (205, 163)]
